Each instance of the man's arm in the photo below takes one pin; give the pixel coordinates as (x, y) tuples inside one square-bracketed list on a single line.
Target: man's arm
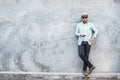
[(77, 32), (95, 31)]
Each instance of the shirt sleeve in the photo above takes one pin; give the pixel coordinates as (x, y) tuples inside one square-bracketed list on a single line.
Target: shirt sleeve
[(95, 30), (77, 32)]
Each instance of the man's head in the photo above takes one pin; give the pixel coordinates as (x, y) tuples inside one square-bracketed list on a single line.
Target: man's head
[(84, 17)]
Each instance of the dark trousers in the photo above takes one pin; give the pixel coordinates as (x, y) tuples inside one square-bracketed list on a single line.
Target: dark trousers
[(84, 50)]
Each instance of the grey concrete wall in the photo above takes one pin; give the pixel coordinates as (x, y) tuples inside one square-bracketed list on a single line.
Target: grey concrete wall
[(38, 35)]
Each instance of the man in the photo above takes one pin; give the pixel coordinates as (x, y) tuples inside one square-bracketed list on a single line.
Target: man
[(86, 33)]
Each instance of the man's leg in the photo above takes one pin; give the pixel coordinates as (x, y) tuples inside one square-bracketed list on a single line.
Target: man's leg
[(83, 57), (87, 51), (82, 53), (84, 67)]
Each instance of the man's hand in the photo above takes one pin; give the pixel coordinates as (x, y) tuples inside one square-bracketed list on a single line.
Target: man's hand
[(82, 35), (92, 39)]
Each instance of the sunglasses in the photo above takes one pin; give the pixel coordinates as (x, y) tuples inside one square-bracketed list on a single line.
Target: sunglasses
[(84, 17)]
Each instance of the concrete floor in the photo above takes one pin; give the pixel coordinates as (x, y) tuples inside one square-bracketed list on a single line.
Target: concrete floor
[(58, 76)]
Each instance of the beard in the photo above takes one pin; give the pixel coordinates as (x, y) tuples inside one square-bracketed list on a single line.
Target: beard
[(84, 21)]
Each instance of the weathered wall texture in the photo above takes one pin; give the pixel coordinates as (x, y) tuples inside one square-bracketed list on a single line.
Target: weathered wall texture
[(38, 35)]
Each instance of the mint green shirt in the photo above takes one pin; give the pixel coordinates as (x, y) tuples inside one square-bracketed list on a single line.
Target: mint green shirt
[(90, 28)]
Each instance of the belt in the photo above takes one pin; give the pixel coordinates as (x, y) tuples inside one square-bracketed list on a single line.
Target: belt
[(84, 42)]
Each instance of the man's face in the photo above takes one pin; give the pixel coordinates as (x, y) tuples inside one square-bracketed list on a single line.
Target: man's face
[(84, 19)]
